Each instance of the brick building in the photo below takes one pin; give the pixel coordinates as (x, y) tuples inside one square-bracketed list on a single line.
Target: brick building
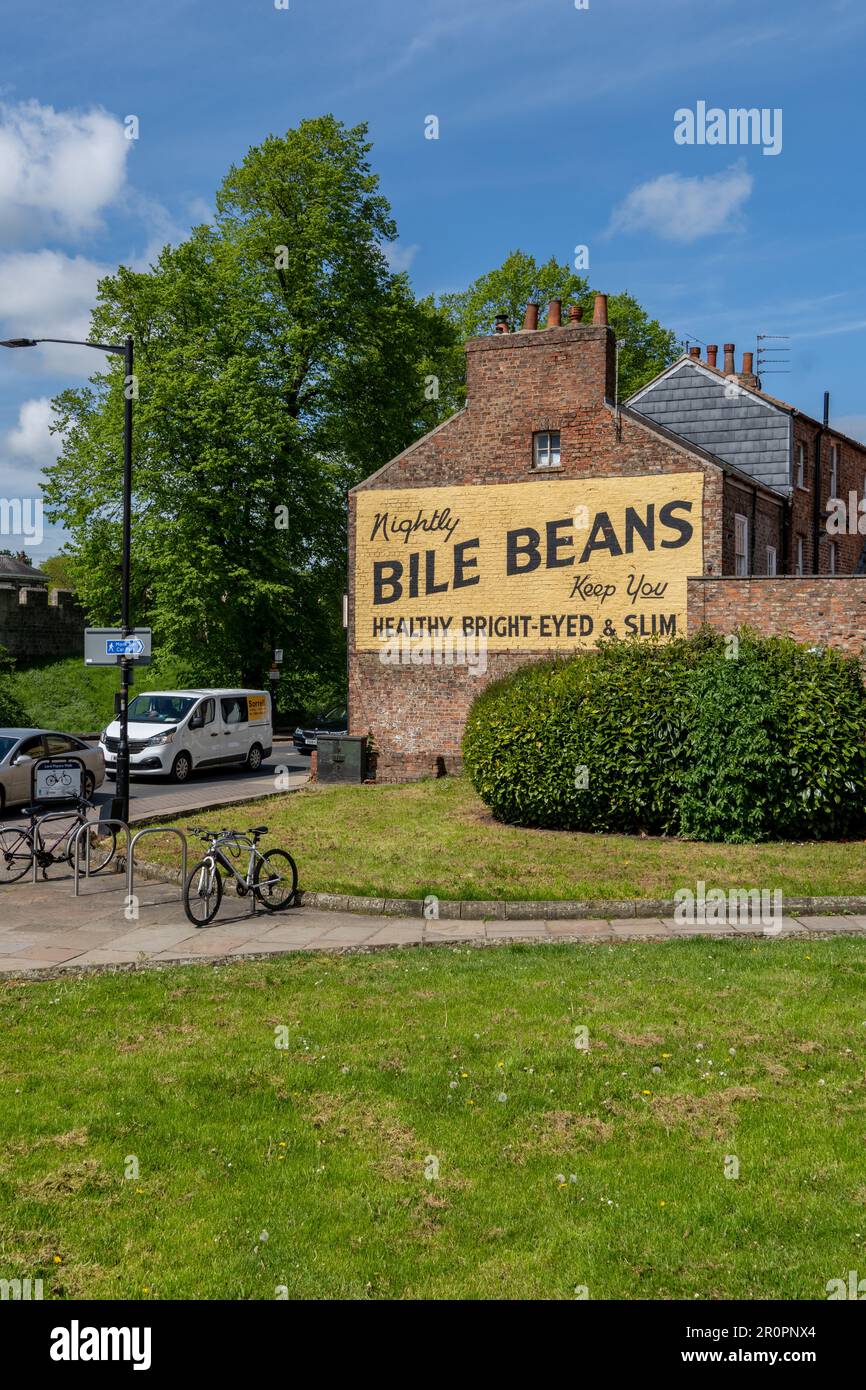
[(544, 515)]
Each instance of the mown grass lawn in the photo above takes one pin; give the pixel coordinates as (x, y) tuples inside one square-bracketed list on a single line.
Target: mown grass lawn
[(303, 1167), (437, 837)]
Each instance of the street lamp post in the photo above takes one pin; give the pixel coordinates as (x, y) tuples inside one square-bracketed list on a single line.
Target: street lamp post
[(120, 807)]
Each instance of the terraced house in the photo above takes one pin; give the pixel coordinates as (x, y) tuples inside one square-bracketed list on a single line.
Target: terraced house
[(546, 514)]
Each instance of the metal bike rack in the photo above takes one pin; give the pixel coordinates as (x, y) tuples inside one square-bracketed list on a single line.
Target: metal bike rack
[(155, 830), (37, 833), (76, 846)]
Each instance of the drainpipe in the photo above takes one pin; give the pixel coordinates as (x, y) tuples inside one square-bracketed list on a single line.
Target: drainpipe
[(816, 502), (752, 531)]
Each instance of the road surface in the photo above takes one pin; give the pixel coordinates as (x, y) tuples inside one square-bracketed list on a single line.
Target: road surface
[(155, 796)]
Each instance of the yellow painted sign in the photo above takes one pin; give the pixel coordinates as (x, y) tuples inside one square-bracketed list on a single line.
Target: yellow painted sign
[(257, 706), (553, 564)]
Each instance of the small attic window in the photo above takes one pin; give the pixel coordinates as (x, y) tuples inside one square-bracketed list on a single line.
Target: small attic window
[(545, 449)]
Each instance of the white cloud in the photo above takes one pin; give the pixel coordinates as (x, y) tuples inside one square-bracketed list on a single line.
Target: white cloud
[(31, 442), (399, 257), (58, 169), (48, 294), (683, 209)]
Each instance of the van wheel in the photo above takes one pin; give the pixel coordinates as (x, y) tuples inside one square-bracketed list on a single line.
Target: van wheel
[(254, 758), (181, 768)]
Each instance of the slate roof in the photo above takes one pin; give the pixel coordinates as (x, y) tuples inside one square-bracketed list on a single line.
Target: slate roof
[(16, 570), (747, 430), (753, 430)]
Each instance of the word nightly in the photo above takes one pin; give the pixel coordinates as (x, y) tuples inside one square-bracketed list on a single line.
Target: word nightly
[(406, 526)]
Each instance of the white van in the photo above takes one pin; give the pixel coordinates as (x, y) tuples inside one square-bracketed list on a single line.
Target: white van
[(172, 732)]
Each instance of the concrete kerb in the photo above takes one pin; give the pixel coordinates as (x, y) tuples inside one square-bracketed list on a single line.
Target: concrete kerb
[(469, 910)]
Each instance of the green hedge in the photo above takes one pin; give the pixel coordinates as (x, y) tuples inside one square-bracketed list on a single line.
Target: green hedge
[(711, 738)]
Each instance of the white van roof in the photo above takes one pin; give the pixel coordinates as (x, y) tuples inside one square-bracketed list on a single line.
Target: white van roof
[(212, 690)]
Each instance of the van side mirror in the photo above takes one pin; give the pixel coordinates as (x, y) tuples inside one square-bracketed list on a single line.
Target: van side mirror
[(197, 721)]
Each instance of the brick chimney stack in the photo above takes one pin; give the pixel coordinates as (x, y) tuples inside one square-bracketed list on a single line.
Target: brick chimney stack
[(747, 376)]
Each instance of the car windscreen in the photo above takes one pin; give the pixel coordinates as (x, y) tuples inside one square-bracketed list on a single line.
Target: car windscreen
[(159, 709), (335, 716), (6, 746)]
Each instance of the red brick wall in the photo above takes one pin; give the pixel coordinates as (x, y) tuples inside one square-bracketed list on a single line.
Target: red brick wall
[(825, 611), (852, 478), (561, 379), (764, 514)]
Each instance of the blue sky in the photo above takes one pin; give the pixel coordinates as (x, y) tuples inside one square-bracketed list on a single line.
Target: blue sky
[(556, 128)]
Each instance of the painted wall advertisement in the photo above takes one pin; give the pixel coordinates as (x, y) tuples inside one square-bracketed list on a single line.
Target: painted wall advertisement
[(543, 565)]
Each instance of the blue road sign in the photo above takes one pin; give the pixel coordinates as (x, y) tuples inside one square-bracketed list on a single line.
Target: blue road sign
[(126, 646)]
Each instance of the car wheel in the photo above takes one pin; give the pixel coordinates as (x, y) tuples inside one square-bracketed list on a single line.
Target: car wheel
[(88, 786), (181, 768), (254, 758)]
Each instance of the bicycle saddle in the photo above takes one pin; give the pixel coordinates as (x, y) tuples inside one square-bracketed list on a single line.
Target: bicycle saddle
[(258, 830)]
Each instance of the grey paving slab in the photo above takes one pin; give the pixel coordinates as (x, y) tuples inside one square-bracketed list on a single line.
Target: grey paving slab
[(45, 928)]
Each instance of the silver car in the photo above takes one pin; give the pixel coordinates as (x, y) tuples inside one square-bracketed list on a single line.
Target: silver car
[(21, 748)]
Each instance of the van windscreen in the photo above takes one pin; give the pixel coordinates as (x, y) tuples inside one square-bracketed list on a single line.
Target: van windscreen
[(159, 709)]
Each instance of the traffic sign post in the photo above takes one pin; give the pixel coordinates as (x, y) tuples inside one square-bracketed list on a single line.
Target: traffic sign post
[(109, 646)]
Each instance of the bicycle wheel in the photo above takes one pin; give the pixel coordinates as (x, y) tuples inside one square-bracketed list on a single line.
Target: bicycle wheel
[(103, 846), (16, 854), (203, 894), (276, 880)]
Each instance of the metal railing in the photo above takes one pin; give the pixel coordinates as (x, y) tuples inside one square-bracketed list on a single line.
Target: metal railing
[(76, 847), (155, 830)]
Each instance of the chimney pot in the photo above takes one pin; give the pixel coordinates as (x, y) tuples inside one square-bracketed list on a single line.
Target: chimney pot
[(748, 359), (554, 314), (712, 354), (575, 313), (695, 354), (530, 320), (599, 313), (730, 369), (502, 324)]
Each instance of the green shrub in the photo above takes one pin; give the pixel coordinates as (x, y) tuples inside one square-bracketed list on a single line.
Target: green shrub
[(677, 739), (777, 745)]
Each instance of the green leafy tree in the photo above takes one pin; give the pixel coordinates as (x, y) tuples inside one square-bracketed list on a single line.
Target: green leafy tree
[(278, 361), (647, 346), (58, 568)]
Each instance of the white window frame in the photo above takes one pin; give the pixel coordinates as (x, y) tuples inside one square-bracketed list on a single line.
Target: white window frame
[(546, 454), (771, 560), (800, 562), (741, 545), (834, 470), (801, 464)]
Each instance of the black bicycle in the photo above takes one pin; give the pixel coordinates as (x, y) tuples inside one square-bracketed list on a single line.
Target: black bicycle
[(271, 877), (56, 843)]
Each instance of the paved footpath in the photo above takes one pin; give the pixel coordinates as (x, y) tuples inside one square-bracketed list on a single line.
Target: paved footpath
[(45, 928)]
